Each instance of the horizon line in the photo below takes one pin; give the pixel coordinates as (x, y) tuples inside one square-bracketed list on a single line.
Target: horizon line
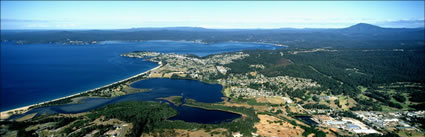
[(212, 28)]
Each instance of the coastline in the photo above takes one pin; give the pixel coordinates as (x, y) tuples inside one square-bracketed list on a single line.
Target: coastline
[(274, 44), (20, 110)]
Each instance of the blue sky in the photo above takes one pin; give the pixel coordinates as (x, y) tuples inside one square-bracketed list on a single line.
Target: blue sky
[(208, 14)]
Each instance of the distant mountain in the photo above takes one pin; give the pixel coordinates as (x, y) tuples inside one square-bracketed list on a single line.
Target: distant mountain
[(363, 28), (373, 29), (361, 35)]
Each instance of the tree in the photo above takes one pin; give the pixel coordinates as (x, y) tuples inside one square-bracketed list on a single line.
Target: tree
[(315, 98)]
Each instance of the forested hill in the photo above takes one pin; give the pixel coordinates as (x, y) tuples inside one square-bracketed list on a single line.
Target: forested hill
[(357, 36)]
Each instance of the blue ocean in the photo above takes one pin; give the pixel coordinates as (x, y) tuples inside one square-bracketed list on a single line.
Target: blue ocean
[(35, 73)]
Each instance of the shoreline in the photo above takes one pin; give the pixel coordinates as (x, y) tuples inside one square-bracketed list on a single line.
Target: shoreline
[(274, 44), (183, 41), (20, 110)]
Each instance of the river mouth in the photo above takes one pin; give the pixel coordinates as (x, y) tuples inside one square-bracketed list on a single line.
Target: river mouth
[(191, 89)]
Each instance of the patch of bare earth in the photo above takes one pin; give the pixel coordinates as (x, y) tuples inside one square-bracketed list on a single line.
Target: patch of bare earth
[(272, 100), (283, 62), (340, 132), (26, 117), (296, 121), (228, 104), (295, 109), (261, 108), (328, 133), (261, 100), (272, 126)]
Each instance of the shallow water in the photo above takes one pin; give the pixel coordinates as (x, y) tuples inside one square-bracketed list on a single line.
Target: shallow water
[(192, 89)]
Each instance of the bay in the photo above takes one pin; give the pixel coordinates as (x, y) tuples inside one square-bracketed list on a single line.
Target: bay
[(40, 72)]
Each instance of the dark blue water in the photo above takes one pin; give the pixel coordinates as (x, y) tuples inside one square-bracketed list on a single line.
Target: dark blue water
[(307, 119), (36, 73), (199, 91), (202, 92), (41, 72), (198, 49), (197, 115)]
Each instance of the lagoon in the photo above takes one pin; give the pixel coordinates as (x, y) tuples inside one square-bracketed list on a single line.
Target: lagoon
[(188, 89)]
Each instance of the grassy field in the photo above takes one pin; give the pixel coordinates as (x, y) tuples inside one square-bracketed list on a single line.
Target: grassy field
[(342, 101)]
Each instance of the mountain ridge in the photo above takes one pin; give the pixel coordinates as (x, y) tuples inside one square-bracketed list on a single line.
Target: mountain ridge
[(360, 35)]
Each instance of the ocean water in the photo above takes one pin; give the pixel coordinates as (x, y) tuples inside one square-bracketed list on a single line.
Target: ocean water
[(40, 72)]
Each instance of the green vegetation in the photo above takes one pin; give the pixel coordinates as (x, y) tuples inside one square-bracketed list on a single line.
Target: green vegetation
[(177, 100), (329, 68), (384, 98), (21, 126), (75, 125), (102, 129), (315, 98), (145, 116), (343, 71), (417, 96), (366, 104), (399, 97), (316, 106)]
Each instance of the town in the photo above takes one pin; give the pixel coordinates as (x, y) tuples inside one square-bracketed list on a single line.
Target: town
[(253, 85)]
